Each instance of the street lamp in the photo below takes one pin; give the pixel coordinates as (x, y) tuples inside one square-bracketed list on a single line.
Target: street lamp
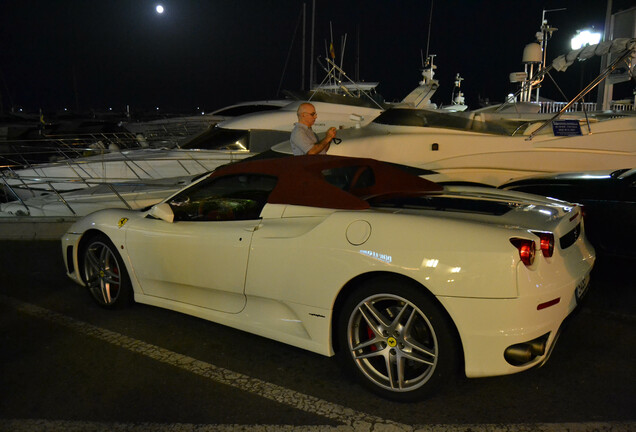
[(585, 37)]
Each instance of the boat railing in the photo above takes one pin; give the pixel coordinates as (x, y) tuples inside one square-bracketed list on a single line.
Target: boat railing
[(72, 173), (622, 106), (96, 139), (50, 148), (554, 107), (114, 188), (177, 131), (625, 57)]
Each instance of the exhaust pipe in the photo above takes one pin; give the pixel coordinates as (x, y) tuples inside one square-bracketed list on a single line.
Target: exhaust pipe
[(523, 353)]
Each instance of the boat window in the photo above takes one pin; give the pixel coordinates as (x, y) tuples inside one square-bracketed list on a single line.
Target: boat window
[(350, 178), (234, 197), (220, 139), (245, 109), (423, 118), (448, 120)]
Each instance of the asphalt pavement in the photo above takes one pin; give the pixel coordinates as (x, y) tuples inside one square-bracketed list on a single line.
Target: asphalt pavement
[(66, 364)]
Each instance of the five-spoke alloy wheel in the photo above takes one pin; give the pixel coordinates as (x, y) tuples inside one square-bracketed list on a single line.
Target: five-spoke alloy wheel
[(396, 340), (105, 274)]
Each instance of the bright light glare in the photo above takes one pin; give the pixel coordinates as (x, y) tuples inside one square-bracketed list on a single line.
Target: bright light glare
[(430, 263), (159, 9), (585, 37)]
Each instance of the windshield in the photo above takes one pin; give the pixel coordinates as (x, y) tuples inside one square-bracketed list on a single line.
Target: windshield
[(232, 197), (447, 120)]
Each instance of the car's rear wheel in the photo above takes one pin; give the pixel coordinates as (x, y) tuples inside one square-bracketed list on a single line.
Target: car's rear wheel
[(105, 274), (397, 340)]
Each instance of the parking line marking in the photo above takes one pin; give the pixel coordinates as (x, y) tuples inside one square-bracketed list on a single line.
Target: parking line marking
[(30, 425), (276, 393), (352, 420)]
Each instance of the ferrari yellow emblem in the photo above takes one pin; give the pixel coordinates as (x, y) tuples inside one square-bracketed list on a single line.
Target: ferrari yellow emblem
[(122, 222), (391, 341)]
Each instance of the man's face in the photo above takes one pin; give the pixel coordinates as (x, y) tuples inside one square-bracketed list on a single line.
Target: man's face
[(308, 115)]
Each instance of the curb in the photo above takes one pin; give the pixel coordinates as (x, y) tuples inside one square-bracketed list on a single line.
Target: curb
[(34, 228)]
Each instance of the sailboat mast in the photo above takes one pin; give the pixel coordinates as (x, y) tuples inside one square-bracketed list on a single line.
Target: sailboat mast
[(302, 63), (311, 51)]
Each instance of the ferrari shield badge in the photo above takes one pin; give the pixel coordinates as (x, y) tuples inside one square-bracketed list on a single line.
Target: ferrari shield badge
[(122, 222)]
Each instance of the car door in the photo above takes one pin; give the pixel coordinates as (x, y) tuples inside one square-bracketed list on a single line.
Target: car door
[(201, 258)]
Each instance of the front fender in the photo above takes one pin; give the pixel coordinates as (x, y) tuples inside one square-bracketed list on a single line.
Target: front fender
[(110, 222)]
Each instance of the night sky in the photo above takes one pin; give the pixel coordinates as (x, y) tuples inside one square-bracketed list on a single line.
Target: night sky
[(210, 53)]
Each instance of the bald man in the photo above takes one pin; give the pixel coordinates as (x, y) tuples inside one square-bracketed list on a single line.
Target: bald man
[(303, 139)]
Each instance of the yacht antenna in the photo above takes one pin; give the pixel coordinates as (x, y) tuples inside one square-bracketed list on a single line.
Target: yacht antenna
[(430, 23), (542, 37)]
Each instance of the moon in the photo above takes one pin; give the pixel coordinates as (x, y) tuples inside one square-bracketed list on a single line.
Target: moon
[(159, 9)]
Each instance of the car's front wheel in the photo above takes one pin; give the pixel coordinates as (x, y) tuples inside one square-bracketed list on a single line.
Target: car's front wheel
[(105, 274), (396, 340)]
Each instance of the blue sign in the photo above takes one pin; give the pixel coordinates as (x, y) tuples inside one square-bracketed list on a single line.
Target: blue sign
[(566, 128)]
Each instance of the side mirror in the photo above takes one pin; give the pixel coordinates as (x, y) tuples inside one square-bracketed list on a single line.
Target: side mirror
[(162, 211)]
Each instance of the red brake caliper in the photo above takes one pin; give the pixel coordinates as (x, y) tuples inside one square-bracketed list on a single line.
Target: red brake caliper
[(371, 335)]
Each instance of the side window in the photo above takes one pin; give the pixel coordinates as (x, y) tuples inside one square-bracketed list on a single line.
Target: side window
[(235, 197), (350, 178)]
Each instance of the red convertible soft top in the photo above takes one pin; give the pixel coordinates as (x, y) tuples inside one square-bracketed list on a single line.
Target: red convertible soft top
[(302, 180)]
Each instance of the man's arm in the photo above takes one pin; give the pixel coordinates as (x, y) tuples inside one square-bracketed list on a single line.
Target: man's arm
[(324, 143)]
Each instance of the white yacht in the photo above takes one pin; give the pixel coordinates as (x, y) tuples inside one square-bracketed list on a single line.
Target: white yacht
[(491, 147), (227, 142)]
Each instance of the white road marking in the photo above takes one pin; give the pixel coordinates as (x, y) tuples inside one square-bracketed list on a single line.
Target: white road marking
[(19, 425), (276, 393), (30, 425), (352, 420)]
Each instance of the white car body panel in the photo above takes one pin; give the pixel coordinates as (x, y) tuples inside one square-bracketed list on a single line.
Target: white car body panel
[(300, 258), (206, 273)]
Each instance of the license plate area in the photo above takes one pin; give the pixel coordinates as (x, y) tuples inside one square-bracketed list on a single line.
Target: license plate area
[(581, 288)]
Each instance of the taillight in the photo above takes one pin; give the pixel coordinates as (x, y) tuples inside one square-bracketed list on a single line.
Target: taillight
[(526, 250), (546, 244)]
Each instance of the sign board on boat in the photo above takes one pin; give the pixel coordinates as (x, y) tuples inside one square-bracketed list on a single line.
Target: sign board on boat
[(566, 128)]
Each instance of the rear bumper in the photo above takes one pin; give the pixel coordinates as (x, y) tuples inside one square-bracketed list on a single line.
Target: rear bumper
[(490, 327)]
